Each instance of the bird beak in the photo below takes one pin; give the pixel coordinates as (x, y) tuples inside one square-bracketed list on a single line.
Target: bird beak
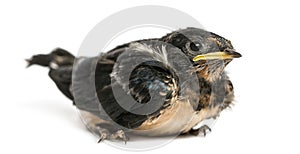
[(227, 54)]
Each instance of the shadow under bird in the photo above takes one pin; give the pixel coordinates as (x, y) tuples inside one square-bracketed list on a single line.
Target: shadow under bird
[(154, 87)]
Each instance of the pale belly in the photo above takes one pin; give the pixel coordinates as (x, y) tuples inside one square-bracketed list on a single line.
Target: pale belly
[(176, 119)]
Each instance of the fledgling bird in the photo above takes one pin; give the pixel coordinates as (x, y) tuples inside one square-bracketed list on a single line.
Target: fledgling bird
[(153, 87)]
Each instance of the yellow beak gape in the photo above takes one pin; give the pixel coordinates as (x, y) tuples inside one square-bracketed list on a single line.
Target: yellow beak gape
[(217, 55)]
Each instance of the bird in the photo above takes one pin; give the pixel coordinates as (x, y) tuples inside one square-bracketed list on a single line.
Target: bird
[(151, 87)]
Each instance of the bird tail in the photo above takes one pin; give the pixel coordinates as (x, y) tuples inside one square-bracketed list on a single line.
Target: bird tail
[(58, 57), (60, 63), (39, 59)]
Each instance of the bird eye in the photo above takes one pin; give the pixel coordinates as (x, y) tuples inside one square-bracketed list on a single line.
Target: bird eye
[(194, 46)]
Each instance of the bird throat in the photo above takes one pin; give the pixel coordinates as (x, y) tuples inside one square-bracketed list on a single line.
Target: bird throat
[(212, 70)]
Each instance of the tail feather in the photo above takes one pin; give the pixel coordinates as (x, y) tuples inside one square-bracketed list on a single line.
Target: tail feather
[(60, 63)]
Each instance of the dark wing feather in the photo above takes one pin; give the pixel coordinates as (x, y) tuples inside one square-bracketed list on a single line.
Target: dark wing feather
[(148, 84), (62, 77)]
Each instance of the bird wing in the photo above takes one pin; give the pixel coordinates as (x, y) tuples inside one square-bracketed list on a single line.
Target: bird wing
[(100, 86)]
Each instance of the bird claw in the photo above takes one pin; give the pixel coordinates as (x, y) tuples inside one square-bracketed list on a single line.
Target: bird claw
[(103, 134), (122, 136), (118, 135), (203, 129)]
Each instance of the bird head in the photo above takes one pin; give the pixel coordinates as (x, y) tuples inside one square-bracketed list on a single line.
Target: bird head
[(208, 52)]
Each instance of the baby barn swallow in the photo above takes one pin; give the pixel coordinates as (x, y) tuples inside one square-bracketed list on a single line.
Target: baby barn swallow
[(150, 82)]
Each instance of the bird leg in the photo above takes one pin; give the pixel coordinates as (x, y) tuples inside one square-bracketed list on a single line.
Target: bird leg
[(104, 134), (203, 130), (102, 128), (108, 132)]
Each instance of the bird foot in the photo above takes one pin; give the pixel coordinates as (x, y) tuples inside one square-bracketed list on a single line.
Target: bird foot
[(203, 130), (104, 134)]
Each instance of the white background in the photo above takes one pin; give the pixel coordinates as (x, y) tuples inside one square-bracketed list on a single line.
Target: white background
[(36, 118)]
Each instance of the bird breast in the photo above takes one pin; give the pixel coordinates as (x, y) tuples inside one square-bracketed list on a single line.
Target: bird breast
[(178, 118)]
